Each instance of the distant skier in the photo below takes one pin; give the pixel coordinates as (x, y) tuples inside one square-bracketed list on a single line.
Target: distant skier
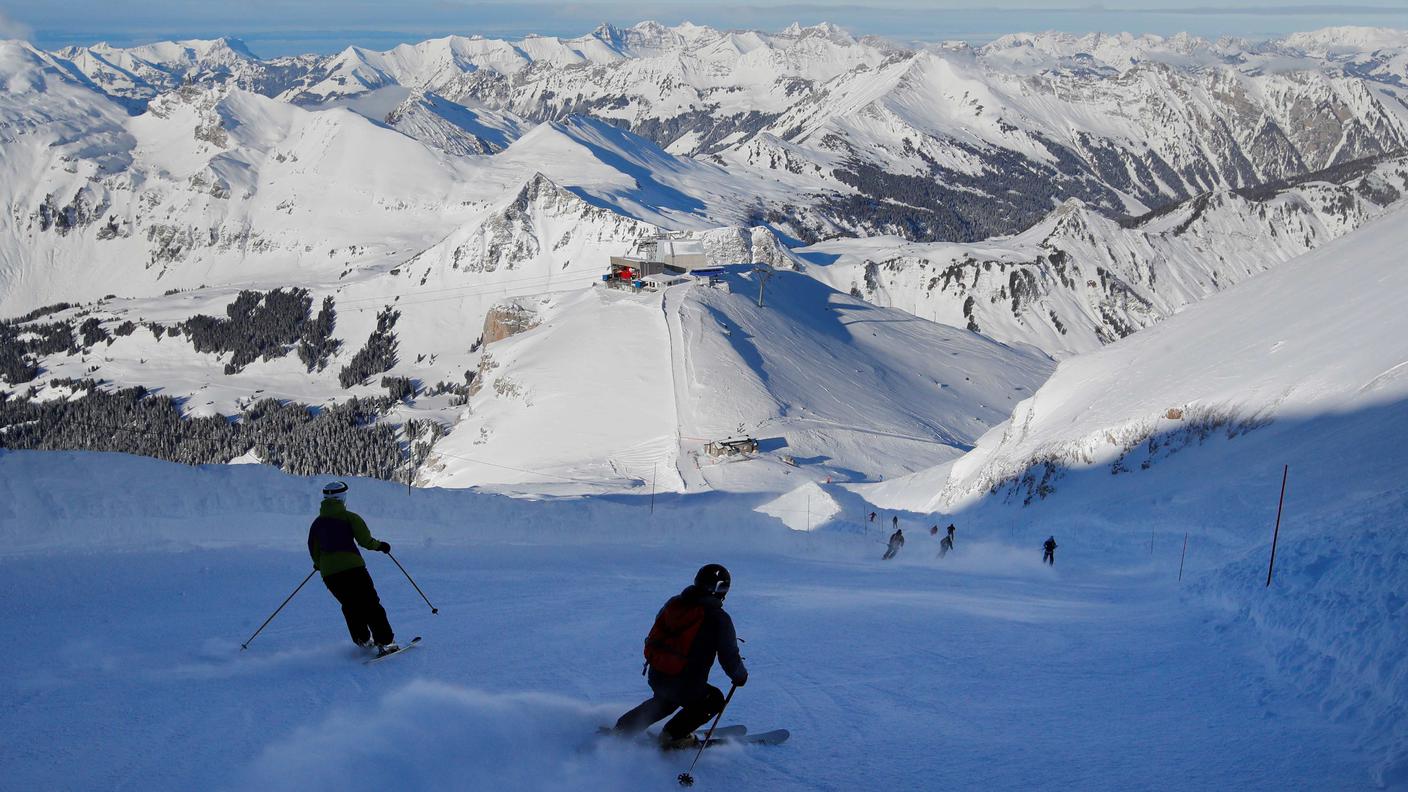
[(332, 542), (945, 545), (934, 530), (689, 631), (1049, 557), (896, 542), (951, 529), (872, 516), (895, 521)]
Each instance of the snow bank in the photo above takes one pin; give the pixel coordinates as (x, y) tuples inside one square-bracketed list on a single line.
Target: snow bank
[(805, 508), (1335, 626), (434, 736), (1183, 429)]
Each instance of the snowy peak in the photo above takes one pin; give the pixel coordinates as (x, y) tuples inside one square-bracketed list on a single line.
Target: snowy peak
[(453, 128), (143, 71), (1346, 39), (1215, 357), (1078, 280), (932, 142)]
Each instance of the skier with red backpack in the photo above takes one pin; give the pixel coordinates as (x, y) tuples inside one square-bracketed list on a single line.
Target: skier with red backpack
[(689, 632)]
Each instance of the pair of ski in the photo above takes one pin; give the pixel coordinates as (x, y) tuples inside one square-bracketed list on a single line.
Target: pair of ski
[(724, 735), (738, 735)]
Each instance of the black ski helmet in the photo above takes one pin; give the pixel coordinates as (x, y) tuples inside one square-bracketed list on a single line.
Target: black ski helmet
[(714, 579)]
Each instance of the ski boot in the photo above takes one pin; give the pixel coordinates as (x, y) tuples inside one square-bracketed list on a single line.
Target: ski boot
[(686, 743)]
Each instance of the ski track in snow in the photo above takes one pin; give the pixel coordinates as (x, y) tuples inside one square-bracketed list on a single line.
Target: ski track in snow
[(907, 675)]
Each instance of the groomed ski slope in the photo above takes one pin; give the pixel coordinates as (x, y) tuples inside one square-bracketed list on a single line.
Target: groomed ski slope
[(132, 582), (1185, 429), (620, 391)]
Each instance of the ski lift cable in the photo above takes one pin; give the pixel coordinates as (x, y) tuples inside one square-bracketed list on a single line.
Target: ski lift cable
[(487, 287), (454, 297)]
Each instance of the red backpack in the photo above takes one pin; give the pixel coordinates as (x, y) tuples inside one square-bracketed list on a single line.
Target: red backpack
[(671, 637)]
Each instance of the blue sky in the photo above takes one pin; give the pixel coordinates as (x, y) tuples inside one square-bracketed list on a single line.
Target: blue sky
[(271, 27)]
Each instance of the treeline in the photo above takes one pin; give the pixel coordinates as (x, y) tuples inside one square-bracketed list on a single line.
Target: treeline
[(317, 344), (343, 440), (22, 346), (257, 325), (265, 326), (1011, 194), (377, 355)]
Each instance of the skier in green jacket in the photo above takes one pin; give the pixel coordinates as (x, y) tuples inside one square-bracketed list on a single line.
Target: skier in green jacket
[(332, 542)]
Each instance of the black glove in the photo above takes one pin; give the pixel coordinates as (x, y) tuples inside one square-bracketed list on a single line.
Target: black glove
[(385, 548), (741, 681)]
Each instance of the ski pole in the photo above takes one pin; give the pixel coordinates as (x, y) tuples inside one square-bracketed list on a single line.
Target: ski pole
[(246, 644), (433, 610), (685, 778)]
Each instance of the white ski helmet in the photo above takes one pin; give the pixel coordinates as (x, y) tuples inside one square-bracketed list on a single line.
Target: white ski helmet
[(336, 490)]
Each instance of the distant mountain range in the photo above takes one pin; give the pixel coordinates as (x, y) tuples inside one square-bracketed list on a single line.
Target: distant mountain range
[(1047, 190)]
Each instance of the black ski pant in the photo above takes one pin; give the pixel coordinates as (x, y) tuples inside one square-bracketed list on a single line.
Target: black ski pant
[(1049, 557), (360, 605), (890, 552), (691, 715)]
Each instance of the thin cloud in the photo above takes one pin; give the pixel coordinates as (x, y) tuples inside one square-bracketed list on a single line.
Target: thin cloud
[(1280, 10), (303, 26), (820, 10), (14, 29)]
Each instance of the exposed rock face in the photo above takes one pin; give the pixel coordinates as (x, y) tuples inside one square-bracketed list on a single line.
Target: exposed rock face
[(508, 319), (927, 142), (746, 246), (1079, 280)]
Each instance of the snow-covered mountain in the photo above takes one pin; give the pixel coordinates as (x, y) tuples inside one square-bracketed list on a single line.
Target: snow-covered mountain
[(221, 186), (933, 142), (453, 128), (420, 189), (1317, 335), (1078, 280)]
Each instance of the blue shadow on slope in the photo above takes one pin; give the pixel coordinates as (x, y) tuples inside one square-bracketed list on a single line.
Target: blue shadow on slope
[(613, 140), (741, 342), (767, 445)]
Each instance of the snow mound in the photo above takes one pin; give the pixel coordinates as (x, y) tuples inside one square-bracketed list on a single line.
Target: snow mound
[(805, 508)]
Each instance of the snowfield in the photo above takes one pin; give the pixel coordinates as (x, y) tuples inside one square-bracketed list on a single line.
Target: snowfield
[(984, 671)]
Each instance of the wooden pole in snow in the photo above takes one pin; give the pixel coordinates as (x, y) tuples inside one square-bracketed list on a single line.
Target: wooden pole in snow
[(654, 471), (1181, 557), (1285, 471)]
